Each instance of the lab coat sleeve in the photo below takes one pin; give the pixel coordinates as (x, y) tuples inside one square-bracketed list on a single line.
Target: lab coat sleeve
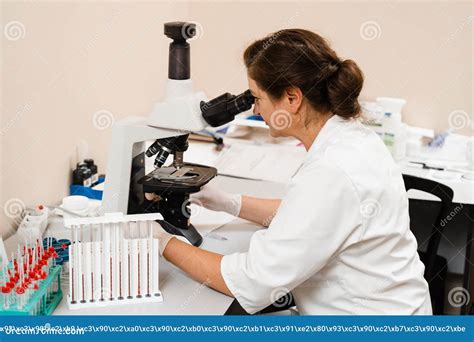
[(319, 216)]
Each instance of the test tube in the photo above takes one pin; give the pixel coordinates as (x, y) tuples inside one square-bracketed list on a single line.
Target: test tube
[(76, 263), (143, 267), (106, 262), (124, 271), (149, 245), (115, 260), (97, 290), (134, 267), (87, 271), (155, 253), (80, 268), (6, 289), (71, 272)]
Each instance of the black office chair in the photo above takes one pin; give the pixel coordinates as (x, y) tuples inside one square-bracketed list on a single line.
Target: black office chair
[(284, 303), (436, 266)]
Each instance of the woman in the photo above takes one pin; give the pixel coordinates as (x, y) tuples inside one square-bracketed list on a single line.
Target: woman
[(340, 238)]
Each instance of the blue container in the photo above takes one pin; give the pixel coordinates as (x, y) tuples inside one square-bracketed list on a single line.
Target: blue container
[(64, 255), (86, 191), (64, 241)]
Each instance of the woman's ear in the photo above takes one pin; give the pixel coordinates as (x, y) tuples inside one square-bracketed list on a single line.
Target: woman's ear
[(295, 98)]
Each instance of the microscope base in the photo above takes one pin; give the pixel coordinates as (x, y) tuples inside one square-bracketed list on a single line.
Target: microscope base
[(190, 233)]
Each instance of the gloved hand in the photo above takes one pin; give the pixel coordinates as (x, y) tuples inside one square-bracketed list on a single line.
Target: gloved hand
[(214, 199), (160, 234)]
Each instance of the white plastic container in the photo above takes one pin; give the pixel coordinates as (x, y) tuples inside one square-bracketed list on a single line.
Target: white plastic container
[(392, 105), (75, 204), (394, 130)]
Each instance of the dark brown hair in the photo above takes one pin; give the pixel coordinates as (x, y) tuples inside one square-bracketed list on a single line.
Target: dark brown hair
[(303, 59)]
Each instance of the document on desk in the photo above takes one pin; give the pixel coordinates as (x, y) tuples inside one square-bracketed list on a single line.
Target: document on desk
[(276, 163), (206, 220)]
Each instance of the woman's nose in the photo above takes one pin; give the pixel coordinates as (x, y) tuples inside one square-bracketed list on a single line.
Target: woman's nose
[(255, 111)]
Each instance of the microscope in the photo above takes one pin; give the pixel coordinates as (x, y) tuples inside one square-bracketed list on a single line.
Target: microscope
[(168, 125)]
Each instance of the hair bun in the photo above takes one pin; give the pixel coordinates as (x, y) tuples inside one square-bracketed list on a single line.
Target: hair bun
[(344, 87)]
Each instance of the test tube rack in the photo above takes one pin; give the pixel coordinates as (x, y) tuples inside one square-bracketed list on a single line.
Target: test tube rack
[(113, 260), (31, 281)]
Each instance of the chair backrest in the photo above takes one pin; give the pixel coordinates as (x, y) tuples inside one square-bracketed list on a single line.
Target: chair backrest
[(445, 194)]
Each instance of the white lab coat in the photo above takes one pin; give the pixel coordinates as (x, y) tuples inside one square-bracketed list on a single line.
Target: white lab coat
[(340, 240)]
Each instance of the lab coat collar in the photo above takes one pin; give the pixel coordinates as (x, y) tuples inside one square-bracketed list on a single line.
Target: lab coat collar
[(334, 125)]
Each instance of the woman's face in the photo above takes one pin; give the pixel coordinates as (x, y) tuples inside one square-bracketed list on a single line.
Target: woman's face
[(276, 114)]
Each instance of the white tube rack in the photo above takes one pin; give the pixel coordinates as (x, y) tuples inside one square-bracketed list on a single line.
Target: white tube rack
[(113, 260)]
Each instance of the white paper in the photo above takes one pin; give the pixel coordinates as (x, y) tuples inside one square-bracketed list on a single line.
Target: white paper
[(262, 162), (206, 220)]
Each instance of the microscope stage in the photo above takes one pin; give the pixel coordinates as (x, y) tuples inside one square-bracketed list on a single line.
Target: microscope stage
[(187, 179)]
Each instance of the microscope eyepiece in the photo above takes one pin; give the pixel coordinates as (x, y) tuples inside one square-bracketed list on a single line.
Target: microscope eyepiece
[(224, 108), (241, 103), (180, 30), (179, 59)]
